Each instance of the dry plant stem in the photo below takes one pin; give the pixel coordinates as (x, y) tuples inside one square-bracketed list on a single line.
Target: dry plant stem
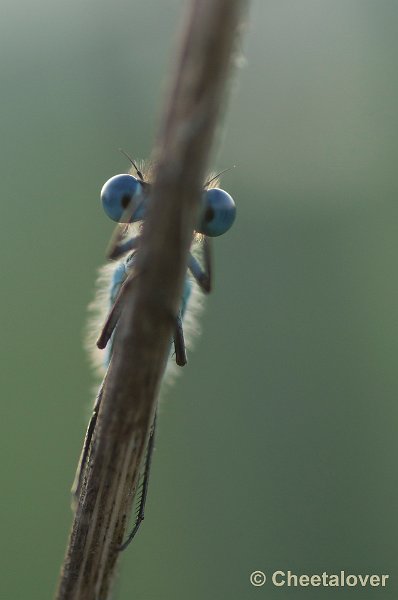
[(143, 336)]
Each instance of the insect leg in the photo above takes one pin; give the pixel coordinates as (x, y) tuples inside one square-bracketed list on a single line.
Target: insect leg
[(114, 314), (179, 344), (117, 248), (202, 275), (144, 493)]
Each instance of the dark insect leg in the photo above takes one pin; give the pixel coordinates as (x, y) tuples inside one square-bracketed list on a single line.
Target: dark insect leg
[(202, 275), (179, 344), (145, 482), (114, 315), (117, 248), (77, 484)]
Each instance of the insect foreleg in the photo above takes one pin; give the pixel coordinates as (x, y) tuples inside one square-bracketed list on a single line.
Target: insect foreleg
[(202, 275), (114, 314)]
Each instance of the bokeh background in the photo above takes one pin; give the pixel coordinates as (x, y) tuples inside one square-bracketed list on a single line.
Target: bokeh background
[(278, 446)]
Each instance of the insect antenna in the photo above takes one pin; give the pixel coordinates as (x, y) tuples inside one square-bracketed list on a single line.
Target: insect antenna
[(140, 175), (218, 175)]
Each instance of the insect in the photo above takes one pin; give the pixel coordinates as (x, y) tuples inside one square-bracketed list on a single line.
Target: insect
[(125, 199)]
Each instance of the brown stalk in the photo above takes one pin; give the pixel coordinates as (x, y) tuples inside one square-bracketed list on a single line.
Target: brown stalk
[(142, 343)]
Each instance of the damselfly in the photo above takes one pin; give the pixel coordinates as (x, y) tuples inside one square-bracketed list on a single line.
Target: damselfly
[(125, 199)]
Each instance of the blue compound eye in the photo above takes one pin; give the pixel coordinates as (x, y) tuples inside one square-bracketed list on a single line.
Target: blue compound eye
[(218, 213), (122, 199)]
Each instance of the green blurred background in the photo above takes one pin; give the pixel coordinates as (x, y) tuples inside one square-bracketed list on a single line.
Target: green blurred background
[(278, 447)]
